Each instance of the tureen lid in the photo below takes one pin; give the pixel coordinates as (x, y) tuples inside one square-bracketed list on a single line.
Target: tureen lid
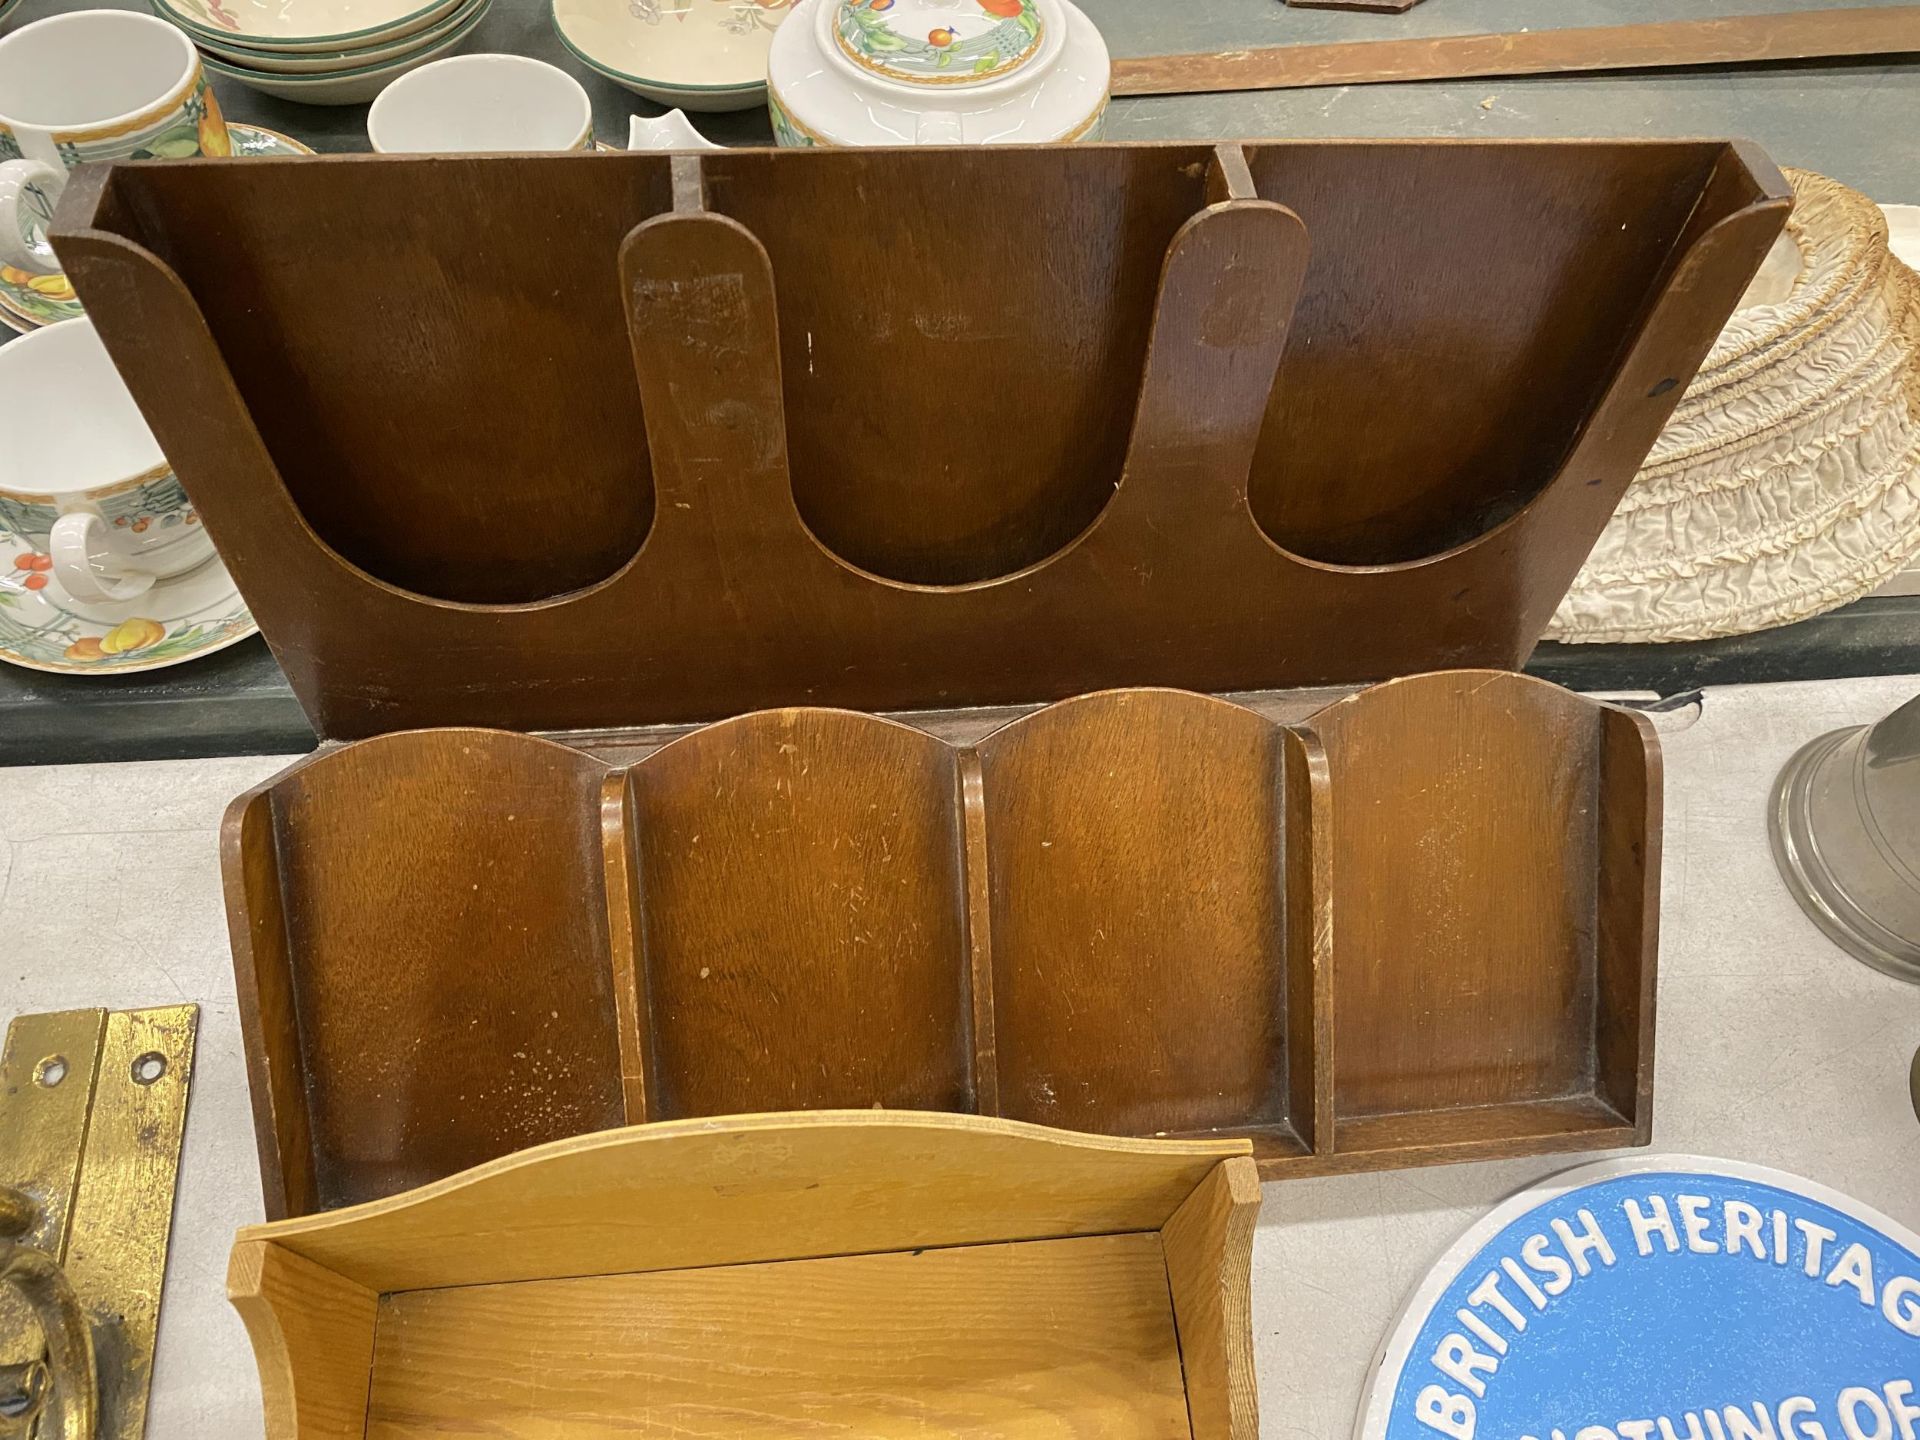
[(938, 42), (944, 72)]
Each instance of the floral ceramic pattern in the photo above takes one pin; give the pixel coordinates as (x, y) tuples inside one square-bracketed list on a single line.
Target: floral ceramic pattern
[(939, 42), (742, 18), (177, 620), (786, 131), (209, 13), (26, 517), (195, 128), (30, 301)]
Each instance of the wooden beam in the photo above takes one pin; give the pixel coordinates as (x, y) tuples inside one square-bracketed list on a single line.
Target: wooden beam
[(1734, 40), (1384, 7)]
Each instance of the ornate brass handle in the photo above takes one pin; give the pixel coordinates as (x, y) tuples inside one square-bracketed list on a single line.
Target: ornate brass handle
[(72, 1406)]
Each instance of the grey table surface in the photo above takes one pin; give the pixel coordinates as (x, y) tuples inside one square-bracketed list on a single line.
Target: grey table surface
[(1857, 121), (1774, 1047)]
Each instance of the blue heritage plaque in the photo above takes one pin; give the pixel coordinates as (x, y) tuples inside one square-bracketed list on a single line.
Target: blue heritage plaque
[(1664, 1297)]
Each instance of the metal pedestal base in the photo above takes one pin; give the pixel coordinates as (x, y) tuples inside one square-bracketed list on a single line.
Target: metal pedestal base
[(1832, 856)]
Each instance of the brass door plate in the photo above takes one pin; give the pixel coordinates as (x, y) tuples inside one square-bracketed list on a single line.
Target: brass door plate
[(93, 1104)]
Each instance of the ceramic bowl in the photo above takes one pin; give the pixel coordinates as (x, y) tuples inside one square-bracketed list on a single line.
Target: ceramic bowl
[(332, 62), (303, 25), (937, 72), (694, 54), (346, 87), (482, 104)]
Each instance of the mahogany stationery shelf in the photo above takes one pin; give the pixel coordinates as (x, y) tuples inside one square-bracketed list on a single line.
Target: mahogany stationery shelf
[(606, 440), (1416, 924), (768, 1275)]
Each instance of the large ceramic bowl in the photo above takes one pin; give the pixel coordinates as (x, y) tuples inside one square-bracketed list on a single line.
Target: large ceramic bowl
[(694, 54), (937, 72), (333, 62), (303, 25), (346, 87)]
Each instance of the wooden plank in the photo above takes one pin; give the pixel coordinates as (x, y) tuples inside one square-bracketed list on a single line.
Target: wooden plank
[(1063, 1338), (1209, 1252), (749, 1188), (312, 1336), (1730, 40), (1306, 857), (263, 986), (1383, 7), (632, 1020), (1627, 922)]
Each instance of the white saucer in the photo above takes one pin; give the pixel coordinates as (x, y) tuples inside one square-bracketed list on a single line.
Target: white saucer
[(27, 301), (179, 619)]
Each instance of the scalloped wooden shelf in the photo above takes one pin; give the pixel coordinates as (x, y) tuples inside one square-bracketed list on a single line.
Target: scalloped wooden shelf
[(561, 442), (1416, 924)]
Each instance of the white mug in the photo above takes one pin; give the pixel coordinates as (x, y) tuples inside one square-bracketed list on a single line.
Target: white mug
[(481, 103), (86, 497), (91, 85)]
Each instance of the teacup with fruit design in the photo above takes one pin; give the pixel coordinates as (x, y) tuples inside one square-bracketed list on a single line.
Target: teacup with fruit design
[(87, 85), (88, 504)]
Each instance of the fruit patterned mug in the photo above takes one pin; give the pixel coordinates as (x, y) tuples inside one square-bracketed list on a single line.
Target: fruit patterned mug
[(91, 85)]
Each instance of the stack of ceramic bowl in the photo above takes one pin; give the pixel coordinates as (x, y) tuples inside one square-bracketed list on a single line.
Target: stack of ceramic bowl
[(694, 54), (322, 52)]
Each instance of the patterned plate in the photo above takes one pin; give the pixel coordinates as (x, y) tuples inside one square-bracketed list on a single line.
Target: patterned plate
[(29, 301), (179, 619)]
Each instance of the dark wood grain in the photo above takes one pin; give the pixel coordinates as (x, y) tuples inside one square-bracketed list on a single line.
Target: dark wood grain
[(423, 960), (1484, 410), (804, 918), (263, 968), (1468, 872), (1811, 32), (492, 357), (1140, 967), (1627, 914), (1415, 925), (908, 328), (1063, 396)]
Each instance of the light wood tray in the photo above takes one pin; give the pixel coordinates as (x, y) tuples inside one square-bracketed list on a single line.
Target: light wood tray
[(1415, 924), (770, 1276)]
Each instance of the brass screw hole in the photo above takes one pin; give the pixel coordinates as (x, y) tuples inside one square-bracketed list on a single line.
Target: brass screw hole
[(149, 1067), (51, 1071), (26, 1392)]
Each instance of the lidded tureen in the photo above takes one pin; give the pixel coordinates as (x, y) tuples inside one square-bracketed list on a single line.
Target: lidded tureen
[(936, 72)]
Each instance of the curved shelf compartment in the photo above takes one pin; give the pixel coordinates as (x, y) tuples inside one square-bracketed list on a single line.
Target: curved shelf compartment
[(1416, 925), (423, 960)]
